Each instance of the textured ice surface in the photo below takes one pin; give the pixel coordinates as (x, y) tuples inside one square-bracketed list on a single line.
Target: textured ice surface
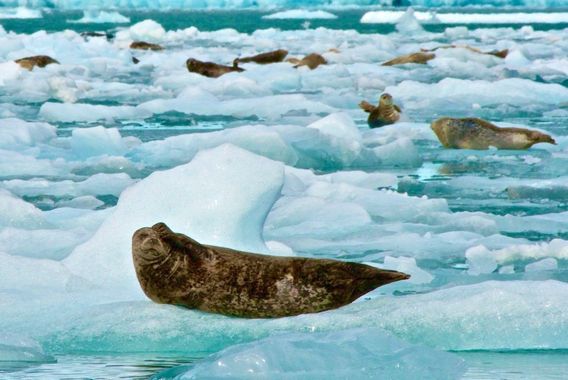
[(17, 352), (356, 353)]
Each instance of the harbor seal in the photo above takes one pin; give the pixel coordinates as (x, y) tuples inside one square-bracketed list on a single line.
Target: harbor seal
[(420, 58), (474, 133), (175, 269), (210, 69), (312, 60), (385, 113), (264, 58), (497, 53), (142, 45), (37, 60)]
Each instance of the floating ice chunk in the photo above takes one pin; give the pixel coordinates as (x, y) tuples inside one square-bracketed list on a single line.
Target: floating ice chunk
[(507, 269), (392, 17), (362, 179), (96, 141), (15, 212), (221, 197), (9, 71), (15, 132), (408, 23), (20, 13), (18, 352), (348, 354), (16, 164), (399, 153), (147, 30), (88, 112), (338, 125), (480, 260), (100, 17), (408, 265), (85, 201), (300, 14), (541, 265), (557, 248)]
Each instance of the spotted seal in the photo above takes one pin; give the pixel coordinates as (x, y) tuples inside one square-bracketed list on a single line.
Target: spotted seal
[(420, 58), (312, 60), (474, 133), (142, 45), (385, 113), (175, 269), (210, 69)]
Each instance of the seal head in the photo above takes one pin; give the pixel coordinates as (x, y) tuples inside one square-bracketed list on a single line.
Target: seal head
[(175, 269)]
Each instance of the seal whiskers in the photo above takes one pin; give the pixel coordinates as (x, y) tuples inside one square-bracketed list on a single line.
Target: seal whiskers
[(230, 282)]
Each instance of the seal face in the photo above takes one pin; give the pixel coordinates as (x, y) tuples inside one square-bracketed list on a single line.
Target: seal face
[(474, 133), (385, 113), (142, 45), (175, 269), (420, 58), (37, 60), (210, 69), (265, 58)]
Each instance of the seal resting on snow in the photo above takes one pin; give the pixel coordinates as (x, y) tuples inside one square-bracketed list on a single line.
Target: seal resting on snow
[(473, 133), (37, 60), (312, 60), (385, 113), (420, 58), (264, 58), (175, 269), (142, 45), (210, 69)]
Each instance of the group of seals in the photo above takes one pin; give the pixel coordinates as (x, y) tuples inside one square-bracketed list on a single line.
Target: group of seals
[(385, 113), (474, 133), (175, 269)]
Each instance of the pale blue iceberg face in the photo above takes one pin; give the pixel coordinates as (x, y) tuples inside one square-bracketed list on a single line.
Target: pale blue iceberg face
[(365, 353), (17, 352)]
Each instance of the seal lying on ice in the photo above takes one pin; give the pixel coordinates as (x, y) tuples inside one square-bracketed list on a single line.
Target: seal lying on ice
[(420, 58), (37, 60), (175, 269), (264, 58), (312, 60), (210, 69), (384, 114), (143, 45), (473, 133)]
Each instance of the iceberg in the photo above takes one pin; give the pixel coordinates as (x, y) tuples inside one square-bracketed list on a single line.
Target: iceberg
[(300, 14), (101, 17), (364, 353), (17, 352), (19, 13), (394, 17)]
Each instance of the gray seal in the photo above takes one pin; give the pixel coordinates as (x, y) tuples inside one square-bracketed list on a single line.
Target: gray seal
[(175, 269)]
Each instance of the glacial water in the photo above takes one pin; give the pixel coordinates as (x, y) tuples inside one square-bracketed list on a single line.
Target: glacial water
[(280, 160)]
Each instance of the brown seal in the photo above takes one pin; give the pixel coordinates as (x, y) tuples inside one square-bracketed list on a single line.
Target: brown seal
[(37, 60), (264, 58), (210, 69), (311, 60), (142, 45), (420, 58), (385, 113), (473, 133), (175, 269), (497, 53)]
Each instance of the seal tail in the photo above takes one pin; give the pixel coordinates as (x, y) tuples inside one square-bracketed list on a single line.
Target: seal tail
[(368, 278)]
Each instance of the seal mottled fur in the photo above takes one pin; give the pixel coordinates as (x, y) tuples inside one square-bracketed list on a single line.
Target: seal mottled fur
[(474, 133), (143, 45), (175, 269), (264, 58), (210, 69), (385, 113), (420, 58)]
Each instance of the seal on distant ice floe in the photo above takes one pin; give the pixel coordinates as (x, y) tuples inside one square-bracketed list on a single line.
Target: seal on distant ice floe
[(473, 133), (312, 60), (497, 53), (37, 60), (210, 69), (175, 269), (385, 113), (420, 58), (264, 58), (142, 45)]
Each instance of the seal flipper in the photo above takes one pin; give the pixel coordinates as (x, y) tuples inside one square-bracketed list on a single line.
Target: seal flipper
[(366, 106)]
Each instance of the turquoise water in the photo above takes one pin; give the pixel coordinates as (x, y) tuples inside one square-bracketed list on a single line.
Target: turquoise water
[(507, 322)]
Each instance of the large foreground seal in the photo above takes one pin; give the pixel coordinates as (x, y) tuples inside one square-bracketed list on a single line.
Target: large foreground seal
[(37, 60), (473, 133), (174, 269), (264, 58), (210, 69), (385, 113)]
